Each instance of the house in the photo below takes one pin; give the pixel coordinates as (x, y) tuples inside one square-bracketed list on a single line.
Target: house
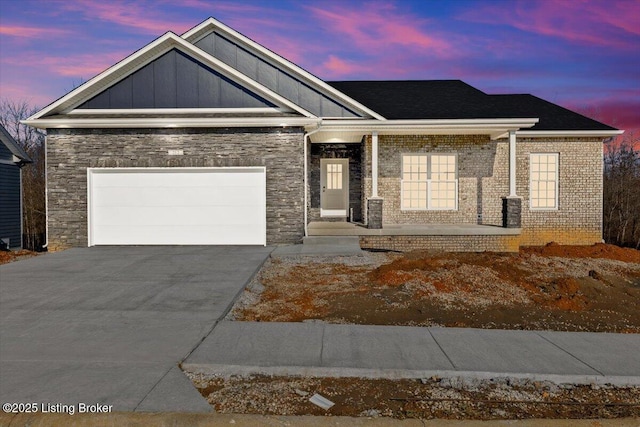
[(211, 138), (12, 158)]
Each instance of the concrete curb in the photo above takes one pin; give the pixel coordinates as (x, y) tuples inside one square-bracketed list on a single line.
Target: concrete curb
[(305, 371), (241, 420)]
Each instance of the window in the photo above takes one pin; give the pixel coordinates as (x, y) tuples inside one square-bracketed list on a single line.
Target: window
[(429, 181), (543, 181)]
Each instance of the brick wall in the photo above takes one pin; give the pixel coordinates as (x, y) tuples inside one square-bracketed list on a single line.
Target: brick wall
[(442, 243), (71, 151), (483, 180), (476, 156), (578, 219)]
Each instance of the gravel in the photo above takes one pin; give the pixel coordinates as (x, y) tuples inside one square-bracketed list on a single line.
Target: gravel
[(446, 398)]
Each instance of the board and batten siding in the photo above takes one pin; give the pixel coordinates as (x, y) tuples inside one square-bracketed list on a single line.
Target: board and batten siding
[(257, 67), (10, 209), (174, 80)]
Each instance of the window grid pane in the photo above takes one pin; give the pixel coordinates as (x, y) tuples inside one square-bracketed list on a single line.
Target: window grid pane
[(334, 176), (544, 181), (429, 181), (414, 181)]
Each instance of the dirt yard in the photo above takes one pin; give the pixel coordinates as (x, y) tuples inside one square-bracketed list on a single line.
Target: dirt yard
[(565, 288), (420, 398)]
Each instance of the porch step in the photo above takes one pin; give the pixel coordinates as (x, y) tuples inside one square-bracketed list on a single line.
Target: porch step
[(344, 241), (322, 246)]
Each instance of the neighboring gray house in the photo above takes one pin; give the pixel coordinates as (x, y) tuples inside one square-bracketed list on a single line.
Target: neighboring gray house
[(211, 138), (12, 158)]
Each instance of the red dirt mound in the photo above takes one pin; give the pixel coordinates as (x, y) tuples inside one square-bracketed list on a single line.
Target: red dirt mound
[(599, 250)]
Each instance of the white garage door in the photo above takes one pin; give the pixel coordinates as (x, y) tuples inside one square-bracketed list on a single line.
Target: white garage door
[(177, 206)]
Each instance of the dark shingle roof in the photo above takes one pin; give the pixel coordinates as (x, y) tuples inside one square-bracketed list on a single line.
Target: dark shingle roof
[(13, 146), (455, 99)]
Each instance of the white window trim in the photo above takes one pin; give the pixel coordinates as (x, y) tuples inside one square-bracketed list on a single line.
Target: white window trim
[(557, 201), (428, 181)]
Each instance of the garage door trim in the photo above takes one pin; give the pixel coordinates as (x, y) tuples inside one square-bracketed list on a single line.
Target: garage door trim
[(237, 169)]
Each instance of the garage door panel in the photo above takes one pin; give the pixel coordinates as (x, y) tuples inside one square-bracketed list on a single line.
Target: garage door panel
[(177, 206), (181, 235), (178, 196), (167, 179), (183, 215)]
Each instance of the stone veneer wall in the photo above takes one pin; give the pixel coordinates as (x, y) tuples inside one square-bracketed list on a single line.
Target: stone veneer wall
[(483, 180), (351, 151), (71, 151)]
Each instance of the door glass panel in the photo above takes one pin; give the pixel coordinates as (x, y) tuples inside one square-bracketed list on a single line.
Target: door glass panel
[(334, 176)]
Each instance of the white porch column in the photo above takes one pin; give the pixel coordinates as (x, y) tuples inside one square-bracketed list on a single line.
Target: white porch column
[(512, 163), (374, 164)]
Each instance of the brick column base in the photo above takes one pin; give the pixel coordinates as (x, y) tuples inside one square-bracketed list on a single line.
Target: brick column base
[(374, 213), (511, 212)]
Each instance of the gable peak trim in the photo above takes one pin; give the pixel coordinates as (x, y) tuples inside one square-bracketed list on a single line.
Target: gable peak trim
[(211, 25)]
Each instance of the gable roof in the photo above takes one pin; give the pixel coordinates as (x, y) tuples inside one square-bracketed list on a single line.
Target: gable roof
[(142, 57), (271, 91), (455, 99), (211, 26), (13, 147), (175, 80)]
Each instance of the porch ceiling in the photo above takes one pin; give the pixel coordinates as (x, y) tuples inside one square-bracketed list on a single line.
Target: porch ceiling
[(342, 131), (345, 136)]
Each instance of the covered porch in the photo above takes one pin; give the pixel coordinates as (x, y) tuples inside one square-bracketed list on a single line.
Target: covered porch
[(408, 237), (321, 228), (374, 204)]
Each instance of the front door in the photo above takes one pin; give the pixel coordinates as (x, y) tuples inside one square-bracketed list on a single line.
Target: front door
[(334, 187)]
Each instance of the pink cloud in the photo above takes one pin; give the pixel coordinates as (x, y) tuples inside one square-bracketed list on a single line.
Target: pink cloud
[(218, 7), (582, 22), (79, 66), (379, 26), (335, 67), (623, 113), (31, 32), (20, 92), (136, 15)]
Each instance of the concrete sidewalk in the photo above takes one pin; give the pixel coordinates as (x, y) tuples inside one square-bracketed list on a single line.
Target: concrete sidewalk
[(417, 352), (322, 246)]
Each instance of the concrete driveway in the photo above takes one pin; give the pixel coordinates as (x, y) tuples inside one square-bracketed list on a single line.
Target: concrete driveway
[(110, 324)]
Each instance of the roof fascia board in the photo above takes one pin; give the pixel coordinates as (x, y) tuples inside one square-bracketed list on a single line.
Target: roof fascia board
[(372, 125), (144, 56), (211, 24), (175, 122), (258, 110), (568, 133), (12, 145), (495, 128)]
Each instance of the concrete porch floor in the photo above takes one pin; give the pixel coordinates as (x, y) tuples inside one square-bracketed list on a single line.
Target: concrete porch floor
[(319, 228)]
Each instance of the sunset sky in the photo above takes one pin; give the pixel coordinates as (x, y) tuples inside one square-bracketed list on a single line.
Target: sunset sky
[(584, 55)]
